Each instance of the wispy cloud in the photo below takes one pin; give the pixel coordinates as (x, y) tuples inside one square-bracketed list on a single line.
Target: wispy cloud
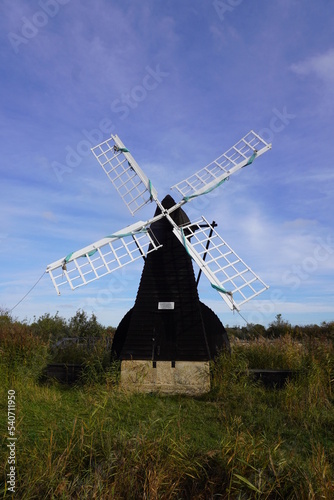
[(321, 66), (318, 69)]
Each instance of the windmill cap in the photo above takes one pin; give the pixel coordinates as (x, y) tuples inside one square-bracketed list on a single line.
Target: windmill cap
[(179, 216)]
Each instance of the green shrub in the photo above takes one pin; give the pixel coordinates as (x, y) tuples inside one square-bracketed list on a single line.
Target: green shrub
[(50, 328), (22, 353)]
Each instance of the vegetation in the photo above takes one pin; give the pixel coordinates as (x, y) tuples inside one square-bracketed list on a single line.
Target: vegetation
[(280, 327), (241, 440)]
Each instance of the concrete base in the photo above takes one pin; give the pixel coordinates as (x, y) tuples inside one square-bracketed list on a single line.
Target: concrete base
[(181, 377)]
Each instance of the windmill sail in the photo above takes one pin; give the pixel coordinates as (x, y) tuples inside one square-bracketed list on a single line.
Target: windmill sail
[(131, 183), (238, 156), (235, 282), (228, 274), (103, 257)]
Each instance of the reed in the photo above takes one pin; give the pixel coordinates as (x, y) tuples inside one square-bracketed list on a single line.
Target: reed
[(241, 440)]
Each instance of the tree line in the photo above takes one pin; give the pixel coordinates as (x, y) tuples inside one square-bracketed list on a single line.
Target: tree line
[(281, 327)]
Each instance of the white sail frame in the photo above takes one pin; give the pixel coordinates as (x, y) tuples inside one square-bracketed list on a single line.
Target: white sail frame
[(103, 257), (233, 279), (238, 156), (133, 186)]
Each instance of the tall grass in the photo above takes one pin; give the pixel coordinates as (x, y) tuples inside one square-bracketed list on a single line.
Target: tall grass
[(241, 440), (22, 353)]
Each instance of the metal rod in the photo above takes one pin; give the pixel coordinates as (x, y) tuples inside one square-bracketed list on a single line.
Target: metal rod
[(139, 248), (214, 224)]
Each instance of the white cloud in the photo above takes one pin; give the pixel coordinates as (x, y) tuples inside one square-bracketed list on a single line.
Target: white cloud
[(269, 307), (321, 65)]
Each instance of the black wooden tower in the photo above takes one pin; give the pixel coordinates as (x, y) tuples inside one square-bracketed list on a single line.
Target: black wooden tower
[(168, 322)]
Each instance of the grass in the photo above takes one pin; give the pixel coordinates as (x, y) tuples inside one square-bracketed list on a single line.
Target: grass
[(239, 441)]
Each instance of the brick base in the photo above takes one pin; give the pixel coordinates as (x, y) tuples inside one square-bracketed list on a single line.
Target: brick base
[(185, 377)]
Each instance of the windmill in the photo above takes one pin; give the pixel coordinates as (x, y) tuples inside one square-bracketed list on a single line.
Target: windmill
[(165, 342)]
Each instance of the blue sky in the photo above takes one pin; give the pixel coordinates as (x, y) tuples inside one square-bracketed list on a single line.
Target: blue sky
[(179, 82)]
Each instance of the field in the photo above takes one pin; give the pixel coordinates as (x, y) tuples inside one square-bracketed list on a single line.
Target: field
[(241, 440)]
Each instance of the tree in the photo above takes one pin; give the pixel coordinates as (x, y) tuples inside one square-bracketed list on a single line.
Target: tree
[(279, 327), (50, 328), (83, 327)]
